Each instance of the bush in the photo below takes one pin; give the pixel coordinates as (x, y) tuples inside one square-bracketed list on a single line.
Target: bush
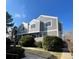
[(27, 41), (17, 51), (12, 56), (52, 43), (38, 44), (8, 43)]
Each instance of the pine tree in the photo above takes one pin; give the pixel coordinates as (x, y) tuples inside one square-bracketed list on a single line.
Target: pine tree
[(9, 20)]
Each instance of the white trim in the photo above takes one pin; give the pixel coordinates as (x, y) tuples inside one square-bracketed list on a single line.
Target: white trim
[(34, 21), (48, 16), (49, 30), (57, 27)]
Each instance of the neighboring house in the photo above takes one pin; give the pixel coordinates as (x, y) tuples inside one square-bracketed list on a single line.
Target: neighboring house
[(42, 26)]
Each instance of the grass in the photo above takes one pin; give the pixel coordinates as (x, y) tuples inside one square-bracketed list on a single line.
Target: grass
[(39, 53), (46, 54)]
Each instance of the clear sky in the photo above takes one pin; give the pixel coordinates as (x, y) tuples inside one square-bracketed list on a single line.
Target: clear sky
[(26, 10)]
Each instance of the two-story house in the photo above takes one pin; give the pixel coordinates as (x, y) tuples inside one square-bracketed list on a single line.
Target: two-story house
[(42, 26)]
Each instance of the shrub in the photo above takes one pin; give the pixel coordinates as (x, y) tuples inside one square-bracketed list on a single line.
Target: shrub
[(38, 44), (27, 41), (12, 56), (52, 43), (8, 43), (17, 51)]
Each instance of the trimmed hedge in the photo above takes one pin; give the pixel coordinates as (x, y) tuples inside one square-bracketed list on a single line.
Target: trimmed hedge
[(27, 41), (52, 43)]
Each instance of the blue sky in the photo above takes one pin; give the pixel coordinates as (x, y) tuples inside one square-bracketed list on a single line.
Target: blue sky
[(26, 10)]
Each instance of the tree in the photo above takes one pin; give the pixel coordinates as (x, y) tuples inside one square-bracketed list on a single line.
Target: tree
[(14, 35), (8, 43), (12, 52), (52, 43), (70, 45), (8, 24), (9, 20)]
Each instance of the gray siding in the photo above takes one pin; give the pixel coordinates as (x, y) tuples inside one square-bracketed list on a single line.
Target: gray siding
[(52, 33), (52, 20), (41, 29), (37, 27)]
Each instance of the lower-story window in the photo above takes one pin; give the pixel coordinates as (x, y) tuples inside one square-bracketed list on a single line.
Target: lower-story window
[(38, 35)]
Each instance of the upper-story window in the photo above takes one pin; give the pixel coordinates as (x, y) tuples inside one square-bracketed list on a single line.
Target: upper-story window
[(48, 24), (33, 26)]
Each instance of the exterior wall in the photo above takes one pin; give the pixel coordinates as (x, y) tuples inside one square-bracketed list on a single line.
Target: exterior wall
[(55, 28), (45, 19), (37, 26), (52, 33), (38, 39)]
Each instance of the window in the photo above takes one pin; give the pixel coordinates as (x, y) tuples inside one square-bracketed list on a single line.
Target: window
[(33, 26), (23, 28), (60, 27), (48, 24)]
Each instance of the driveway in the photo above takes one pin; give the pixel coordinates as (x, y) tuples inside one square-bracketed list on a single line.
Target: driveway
[(32, 56)]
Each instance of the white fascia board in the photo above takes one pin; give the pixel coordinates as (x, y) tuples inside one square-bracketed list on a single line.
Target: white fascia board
[(34, 21), (48, 16), (57, 26), (49, 30)]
